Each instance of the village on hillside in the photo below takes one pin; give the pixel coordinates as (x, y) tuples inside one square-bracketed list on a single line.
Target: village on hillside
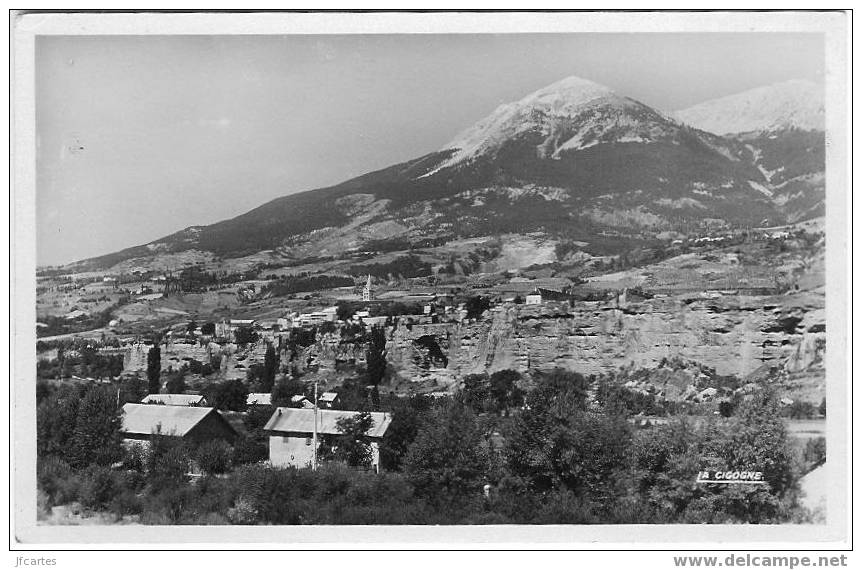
[(204, 374), (525, 281)]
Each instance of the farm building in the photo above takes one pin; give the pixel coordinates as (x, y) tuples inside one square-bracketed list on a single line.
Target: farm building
[(534, 299), (291, 432), (259, 399), (175, 399), (190, 423), (328, 399)]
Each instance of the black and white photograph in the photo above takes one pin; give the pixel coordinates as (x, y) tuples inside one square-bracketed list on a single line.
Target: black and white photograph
[(412, 271)]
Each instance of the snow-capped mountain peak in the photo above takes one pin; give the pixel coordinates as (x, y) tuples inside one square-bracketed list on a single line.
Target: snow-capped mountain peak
[(791, 104), (565, 94), (571, 114)]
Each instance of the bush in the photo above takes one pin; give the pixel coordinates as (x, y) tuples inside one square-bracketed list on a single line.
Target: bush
[(135, 457), (214, 457), (127, 502), (167, 462), (815, 451), (243, 512), (99, 487), (56, 478), (248, 450)]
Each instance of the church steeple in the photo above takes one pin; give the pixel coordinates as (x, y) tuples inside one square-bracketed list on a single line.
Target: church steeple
[(367, 293)]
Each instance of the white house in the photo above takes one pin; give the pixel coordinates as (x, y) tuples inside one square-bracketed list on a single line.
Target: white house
[(317, 317), (291, 434), (533, 299), (327, 399)]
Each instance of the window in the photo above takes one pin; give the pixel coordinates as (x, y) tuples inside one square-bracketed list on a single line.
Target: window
[(308, 441)]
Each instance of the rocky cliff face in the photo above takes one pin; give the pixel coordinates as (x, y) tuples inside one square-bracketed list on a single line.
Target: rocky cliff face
[(733, 335)]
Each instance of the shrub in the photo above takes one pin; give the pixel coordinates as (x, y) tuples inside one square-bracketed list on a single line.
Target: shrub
[(214, 456), (56, 478), (134, 457), (249, 450), (243, 512), (127, 502), (99, 487), (167, 462), (815, 451)]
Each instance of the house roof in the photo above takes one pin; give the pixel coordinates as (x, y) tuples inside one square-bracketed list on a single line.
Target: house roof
[(259, 399), (295, 420), (174, 399), (329, 396), (144, 419), (302, 401)]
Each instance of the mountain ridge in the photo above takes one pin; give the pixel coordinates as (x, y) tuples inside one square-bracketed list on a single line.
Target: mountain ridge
[(569, 156), (794, 104)]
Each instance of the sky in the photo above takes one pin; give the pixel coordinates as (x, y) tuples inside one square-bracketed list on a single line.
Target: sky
[(142, 136)]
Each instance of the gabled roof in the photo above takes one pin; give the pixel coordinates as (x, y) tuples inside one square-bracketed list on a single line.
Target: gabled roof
[(259, 399), (174, 399), (328, 396), (144, 419), (295, 420), (302, 401)]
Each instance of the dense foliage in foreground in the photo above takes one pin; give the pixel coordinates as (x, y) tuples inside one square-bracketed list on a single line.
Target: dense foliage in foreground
[(559, 458)]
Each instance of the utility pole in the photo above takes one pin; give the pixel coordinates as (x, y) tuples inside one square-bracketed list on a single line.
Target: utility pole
[(314, 433)]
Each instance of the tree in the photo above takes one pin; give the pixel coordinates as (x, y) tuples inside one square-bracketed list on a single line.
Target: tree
[(760, 440), (504, 391), (476, 305), (553, 432), (562, 446), (354, 447), (285, 389), (154, 369), (167, 461), (447, 460), (375, 359), (97, 429), (208, 328), (132, 389), (228, 395), (56, 417), (474, 392), (270, 367), (344, 311), (214, 456), (560, 386), (245, 335), (176, 383), (407, 416)]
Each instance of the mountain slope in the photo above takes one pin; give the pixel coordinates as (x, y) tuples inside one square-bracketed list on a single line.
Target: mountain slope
[(782, 125), (572, 160), (792, 104)]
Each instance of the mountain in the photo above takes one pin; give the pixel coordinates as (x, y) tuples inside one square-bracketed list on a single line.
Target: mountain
[(573, 162), (795, 104), (783, 127)]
